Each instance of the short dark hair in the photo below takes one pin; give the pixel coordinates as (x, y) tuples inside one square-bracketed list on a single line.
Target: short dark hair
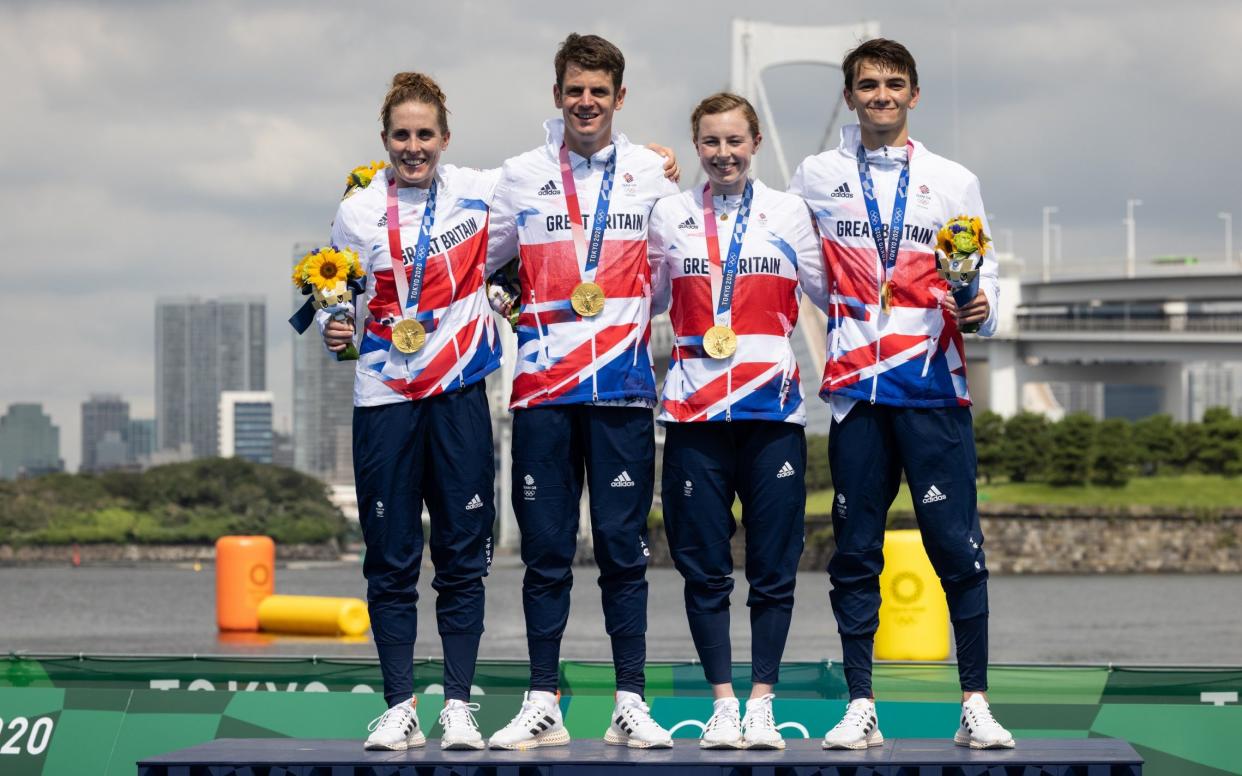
[(590, 52), (888, 54)]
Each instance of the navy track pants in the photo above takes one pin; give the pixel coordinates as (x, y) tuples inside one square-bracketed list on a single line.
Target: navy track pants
[(553, 449), (764, 463), (436, 451), (868, 451)]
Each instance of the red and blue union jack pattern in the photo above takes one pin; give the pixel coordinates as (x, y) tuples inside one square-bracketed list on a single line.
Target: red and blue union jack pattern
[(911, 356), (564, 358), (779, 253), (463, 344)]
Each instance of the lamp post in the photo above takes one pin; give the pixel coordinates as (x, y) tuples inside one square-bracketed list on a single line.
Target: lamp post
[(1048, 211), (1129, 222), (1228, 219)]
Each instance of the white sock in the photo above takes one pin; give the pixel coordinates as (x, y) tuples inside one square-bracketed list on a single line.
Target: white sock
[(720, 703)]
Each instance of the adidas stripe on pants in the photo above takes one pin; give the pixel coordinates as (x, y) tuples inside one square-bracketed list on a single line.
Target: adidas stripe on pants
[(764, 463), (554, 448), (436, 451), (935, 447)]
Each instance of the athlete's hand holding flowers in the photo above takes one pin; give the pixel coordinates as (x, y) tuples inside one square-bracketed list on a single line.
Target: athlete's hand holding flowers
[(960, 246), (330, 276)]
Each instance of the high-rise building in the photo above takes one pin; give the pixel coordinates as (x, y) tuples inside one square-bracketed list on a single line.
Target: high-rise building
[(141, 440), (29, 443), (282, 449), (323, 404), (246, 425), (104, 415), (204, 347)]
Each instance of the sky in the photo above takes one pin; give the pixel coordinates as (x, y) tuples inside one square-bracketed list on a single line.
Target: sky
[(182, 148)]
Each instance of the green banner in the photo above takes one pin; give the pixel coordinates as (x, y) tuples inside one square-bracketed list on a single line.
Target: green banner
[(62, 716)]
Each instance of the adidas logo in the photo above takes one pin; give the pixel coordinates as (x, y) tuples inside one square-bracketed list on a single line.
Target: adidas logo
[(689, 223), (786, 471), (843, 192), (549, 189), (933, 495), (623, 480), (475, 502), (383, 220)]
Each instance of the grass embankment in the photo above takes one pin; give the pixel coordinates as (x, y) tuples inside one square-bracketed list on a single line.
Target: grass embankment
[(1194, 494)]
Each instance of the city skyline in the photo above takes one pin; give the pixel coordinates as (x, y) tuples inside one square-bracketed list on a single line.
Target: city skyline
[(220, 137)]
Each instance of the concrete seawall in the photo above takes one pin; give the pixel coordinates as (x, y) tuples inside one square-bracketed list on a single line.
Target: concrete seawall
[(1028, 540)]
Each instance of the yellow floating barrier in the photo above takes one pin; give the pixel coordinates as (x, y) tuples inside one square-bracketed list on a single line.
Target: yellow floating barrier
[(313, 615), (914, 616), (245, 575)]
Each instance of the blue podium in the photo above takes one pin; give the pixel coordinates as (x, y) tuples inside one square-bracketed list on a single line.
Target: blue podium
[(901, 757)]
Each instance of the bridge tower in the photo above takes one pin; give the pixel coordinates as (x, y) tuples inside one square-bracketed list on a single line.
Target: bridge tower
[(761, 46)]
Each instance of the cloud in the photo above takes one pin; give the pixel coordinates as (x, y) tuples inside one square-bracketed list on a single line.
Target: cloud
[(154, 148)]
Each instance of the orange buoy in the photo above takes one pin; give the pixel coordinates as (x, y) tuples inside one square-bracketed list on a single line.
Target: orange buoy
[(245, 575)]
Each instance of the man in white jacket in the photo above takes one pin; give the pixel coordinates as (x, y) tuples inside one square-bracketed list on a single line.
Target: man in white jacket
[(575, 212), (895, 376)]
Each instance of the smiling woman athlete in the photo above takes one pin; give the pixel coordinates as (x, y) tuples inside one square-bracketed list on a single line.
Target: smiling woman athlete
[(422, 430), (731, 256)]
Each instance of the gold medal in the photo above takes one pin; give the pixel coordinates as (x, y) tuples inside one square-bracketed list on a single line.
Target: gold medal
[(720, 342), (886, 297), (587, 300), (408, 335)]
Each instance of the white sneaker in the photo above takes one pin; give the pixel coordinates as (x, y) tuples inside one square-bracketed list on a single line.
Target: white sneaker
[(979, 729), (460, 729), (396, 729), (858, 729), (537, 724), (633, 726), (723, 730), (759, 726)]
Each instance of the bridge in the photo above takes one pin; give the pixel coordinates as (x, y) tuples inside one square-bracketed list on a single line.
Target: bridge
[(1142, 330)]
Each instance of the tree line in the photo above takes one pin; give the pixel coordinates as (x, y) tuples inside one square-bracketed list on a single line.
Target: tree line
[(184, 503), (1078, 449)]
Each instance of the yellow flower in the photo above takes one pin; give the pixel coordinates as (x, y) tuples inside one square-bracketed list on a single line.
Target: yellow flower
[(361, 175), (353, 268), (962, 236)]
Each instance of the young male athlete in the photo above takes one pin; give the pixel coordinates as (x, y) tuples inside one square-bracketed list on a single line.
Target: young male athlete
[(896, 378), (575, 212)]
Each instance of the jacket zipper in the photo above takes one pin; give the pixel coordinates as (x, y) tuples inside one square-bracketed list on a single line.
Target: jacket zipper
[(879, 290)]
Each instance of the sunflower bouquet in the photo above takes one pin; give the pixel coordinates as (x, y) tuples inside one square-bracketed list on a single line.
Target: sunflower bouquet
[(361, 176), (960, 246), (330, 276)]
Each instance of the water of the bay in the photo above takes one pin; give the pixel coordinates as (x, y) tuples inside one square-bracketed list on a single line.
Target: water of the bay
[(167, 609)]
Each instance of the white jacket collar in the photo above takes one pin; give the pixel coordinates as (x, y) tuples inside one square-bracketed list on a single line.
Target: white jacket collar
[(851, 139), (555, 129)]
